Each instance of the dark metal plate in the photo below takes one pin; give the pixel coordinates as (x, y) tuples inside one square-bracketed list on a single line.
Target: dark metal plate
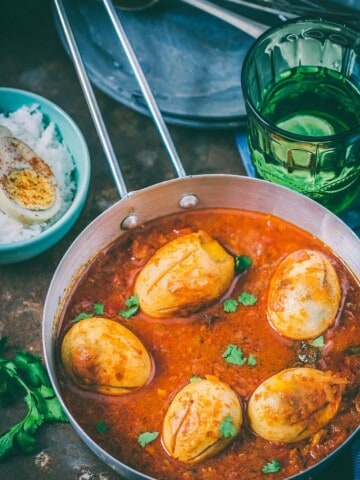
[(192, 60)]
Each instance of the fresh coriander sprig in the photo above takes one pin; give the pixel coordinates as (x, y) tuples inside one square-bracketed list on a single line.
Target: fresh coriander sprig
[(227, 427), (247, 299), (101, 427), (234, 355), (97, 309), (318, 342), (273, 466), (231, 305), (132, 305), (147, 437), (242, 263), (25, 377), (82, 316)]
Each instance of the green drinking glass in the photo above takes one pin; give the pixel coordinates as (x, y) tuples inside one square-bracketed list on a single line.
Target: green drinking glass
[(301, 85)]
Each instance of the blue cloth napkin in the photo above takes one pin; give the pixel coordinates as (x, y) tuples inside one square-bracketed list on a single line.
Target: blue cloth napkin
[(355, 449), (352, 218)]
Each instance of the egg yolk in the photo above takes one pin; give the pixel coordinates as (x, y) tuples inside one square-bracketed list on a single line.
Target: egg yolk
[(30, 189)]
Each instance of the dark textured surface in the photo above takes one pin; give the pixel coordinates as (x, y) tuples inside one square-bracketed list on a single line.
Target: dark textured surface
[(195, 82), (32, 58)]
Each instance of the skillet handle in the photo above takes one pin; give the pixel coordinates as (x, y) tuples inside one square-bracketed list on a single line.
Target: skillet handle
[(145, 88), (91, 100)]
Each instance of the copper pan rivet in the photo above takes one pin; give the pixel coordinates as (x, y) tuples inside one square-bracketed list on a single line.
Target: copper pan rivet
[(129, 222), (188, 201)]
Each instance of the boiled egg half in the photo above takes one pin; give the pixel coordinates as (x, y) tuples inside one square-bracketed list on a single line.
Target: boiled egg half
[(28, 190)]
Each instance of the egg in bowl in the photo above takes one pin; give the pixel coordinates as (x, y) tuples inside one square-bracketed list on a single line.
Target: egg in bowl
[(28, 189)]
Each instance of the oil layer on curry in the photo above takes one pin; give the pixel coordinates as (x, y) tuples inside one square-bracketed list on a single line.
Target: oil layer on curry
[(214, 343)]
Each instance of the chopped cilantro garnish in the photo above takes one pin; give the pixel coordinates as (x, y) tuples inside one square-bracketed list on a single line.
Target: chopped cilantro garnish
[(147, 437), (271, 467), (230, 305), (242, 262), (101, 427), (247, 298), (252, 360), (82, 316), (234, 355), (98, 308), (227, 427), (318, 342), (194, 379), (132, 304)]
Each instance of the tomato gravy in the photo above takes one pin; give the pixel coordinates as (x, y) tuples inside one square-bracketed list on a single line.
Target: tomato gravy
[(194, 346)]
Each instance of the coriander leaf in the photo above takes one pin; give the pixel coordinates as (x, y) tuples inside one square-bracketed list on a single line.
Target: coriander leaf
[(9, 388), (230, 305), (242, 262), (31, 369), (247, 298), (7, 442), (101, 427), (54, 411), (20, 436), (194, 379), (234, 355), (98, 308), (318, 342), (128, 313), (132, 304), (48, 404), (25, 441), (82, 316), (147, 437), (272, 467), (132, 301), (34, 418), (252, 360), (25, 377), (227, 427)]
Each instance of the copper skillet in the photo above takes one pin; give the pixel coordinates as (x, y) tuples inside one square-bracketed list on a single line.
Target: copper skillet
[(139, 207)]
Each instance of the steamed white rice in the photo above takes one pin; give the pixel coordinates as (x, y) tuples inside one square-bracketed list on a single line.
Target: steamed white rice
[(27, 124)]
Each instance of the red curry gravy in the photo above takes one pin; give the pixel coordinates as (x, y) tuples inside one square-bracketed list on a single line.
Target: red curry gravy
[(193, 346)]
